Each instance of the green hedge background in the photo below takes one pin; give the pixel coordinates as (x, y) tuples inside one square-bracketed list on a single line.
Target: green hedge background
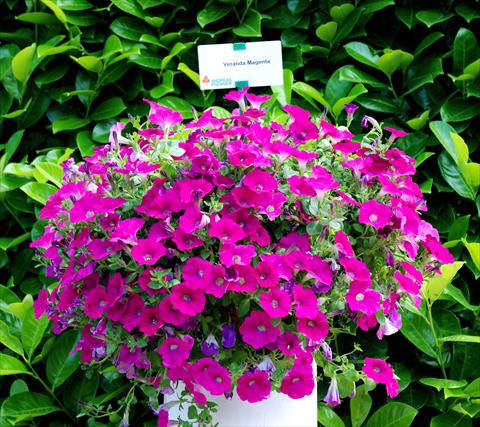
[(69, 69)]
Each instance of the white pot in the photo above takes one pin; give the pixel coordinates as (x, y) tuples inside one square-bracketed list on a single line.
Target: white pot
[(278, 410)]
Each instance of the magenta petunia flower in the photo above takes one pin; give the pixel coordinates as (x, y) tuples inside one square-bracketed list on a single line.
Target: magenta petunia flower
[(171, 314), (356, 270), (131, 315), (343, 245), (162, 420), (256, 100), (192, 220), (96, 303), (245, 281), (360, 298), (257, 330), (175, 351), (260, 181), (237, 96), (126, 231), (276, 303), (148, 251), (236, 254), (254, 386), (130, 358), (437, 250), (185, 241), (196, 272), (294, 241), (217, 283), (271, 205), (151, 320), (91, 205), (226, 230), (406, 284), (316, 328), (381, 372), (267, 274), (41, 303), (396, 133), (162, 116), (289, 344), (188, 301), (100, 248), (298, 383), (378, 215), (306, 302), (212, 376), (301, 186)]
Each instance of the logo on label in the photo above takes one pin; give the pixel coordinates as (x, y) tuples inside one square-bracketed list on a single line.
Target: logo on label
[(206, 80)]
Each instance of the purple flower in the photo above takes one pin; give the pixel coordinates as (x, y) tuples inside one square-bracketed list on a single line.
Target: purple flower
[(266, 365), (210, 346), (333, 397), (228, 336), (350, 109)]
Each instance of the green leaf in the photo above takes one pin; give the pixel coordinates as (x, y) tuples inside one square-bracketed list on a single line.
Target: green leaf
[(33, 331), (11, 366), (447, 136), (453, 175), (22, 62), (185, 69), (419, 122), (434, 286), (56, 10), (108, 109), (393, 414), (461, 338), (51, 172), (381, 104), (459, 110), (467, 12), (327, 417), (18, 386), (129, 6), (177, 104), (154, 21), (69, 123), (251, 26), (27, 405), (326, 32), (39, 18), (440, 383), (391, 61), (74, 5), (339, 13), (212, 13), (418, 332), (360, 406), (406, 15), (292, 37), (455, 294), (38, 191), (10, 341), (284, 92), (423, 73), (12, 242), (451, 419), (90, 63), (129, 28), (309, 93), (465, 50), (427, 42), (356, 91), (351, 74), (474, 251), (362, 53), (84, 143), (432, 17), (370, 6), (459, 228), (61, 364)]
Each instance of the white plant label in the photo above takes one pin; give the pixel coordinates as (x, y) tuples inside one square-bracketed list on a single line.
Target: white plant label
[(230, 65)]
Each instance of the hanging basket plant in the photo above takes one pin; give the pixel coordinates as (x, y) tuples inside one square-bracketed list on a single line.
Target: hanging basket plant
[(228, 254)]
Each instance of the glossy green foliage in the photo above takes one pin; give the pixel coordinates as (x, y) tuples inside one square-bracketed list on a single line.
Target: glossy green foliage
[(70, 68)]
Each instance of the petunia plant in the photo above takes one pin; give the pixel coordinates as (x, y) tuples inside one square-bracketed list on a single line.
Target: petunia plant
[(228, 254)]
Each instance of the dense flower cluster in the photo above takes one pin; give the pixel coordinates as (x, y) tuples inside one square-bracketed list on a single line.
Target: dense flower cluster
[(222, 252)]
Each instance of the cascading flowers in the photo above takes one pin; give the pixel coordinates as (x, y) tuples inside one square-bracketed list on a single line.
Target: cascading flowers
[(228, 253)]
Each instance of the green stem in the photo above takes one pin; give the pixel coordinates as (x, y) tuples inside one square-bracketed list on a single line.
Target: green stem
[(438, 344), (48, 389)]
